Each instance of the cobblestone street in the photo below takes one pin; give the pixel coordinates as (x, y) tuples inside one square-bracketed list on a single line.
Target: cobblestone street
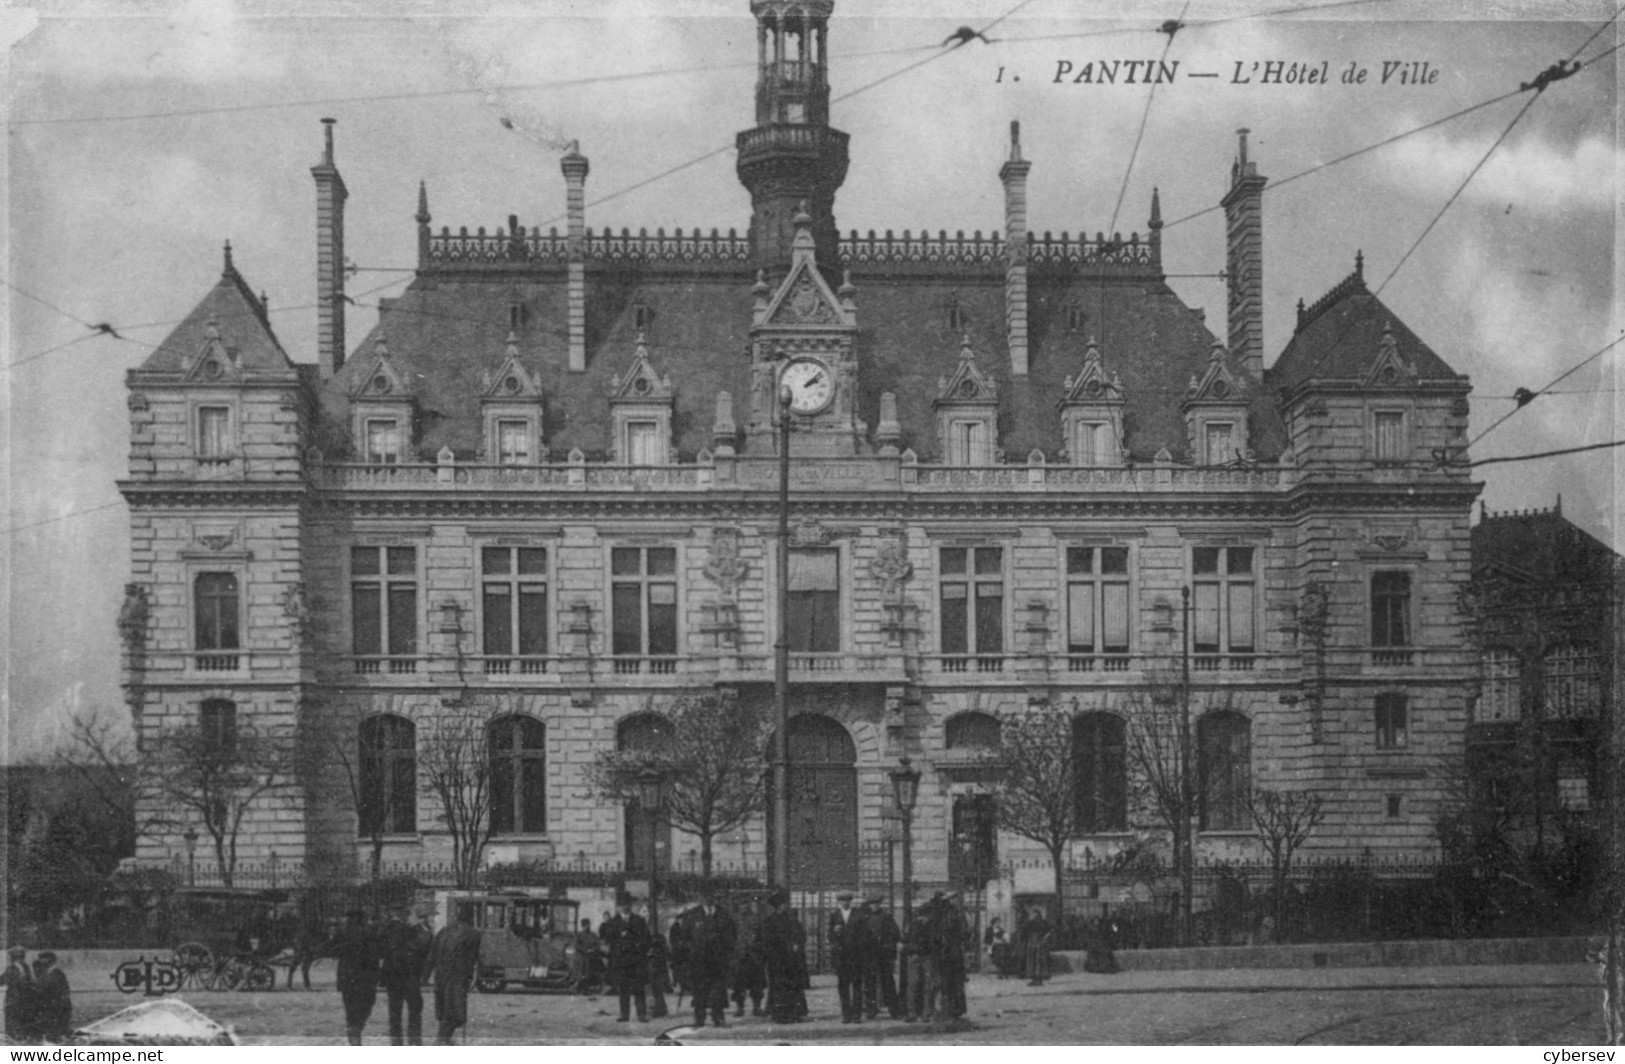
[(1523, 1004)]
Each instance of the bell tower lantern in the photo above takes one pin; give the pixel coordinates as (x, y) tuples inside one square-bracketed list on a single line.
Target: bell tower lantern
[(792, 156)]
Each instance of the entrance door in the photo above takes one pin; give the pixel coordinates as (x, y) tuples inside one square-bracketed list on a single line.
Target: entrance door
[(644, 732), (823, 828), (973, 858)]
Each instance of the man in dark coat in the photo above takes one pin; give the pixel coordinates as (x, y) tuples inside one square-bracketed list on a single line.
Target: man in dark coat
[(626, 936), (682, 930), (880, 971), (1036, 941), (356, 947), (404, 950), (711, 950), (749, 978), (847, 937), (454, 962), (20, 996), (53, 1007), (659, 974), (953, 936)]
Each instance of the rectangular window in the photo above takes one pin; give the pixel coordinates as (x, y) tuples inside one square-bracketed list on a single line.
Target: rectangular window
[(1090, 445), (1222, 600), (1097, 600), (1220, 445), (383, 606), (1391, 712), (513, 608), (217, 724), (972, 589), (1389, 431), (643, 605), (1391, 609), (213, 432), (967, 443), (215, 611), (383, 441), (643, 444), (1393, 807), (513, 442), (815, 601)]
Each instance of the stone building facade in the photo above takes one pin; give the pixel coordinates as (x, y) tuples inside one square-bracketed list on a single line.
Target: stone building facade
[(542, 493)]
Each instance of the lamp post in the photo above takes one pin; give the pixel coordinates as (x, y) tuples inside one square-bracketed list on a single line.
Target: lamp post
[(651, 785), (905, 781), (189, 836), (781, 663), (1187, 792)]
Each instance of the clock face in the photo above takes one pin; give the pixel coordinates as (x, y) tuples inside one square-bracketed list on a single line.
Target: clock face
[(811, 384)]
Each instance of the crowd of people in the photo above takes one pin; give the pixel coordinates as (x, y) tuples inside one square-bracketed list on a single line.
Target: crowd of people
[(400, 956), (39, 1006)]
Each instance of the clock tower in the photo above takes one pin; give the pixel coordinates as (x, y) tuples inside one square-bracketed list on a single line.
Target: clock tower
[(801, 338)]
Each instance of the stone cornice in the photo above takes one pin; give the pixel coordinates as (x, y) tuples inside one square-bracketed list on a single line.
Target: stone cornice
[(214, 494)]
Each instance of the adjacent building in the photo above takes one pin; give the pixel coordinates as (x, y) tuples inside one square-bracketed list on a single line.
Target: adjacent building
[(542, 494)]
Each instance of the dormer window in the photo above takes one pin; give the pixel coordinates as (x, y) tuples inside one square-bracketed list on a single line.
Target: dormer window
[(968, 443), (1220, 442), (1074, 317), (383, 441), (1090, 444), (516, 317), (956, 317), (513, 442), (643, 444), (1388, 436), (640, 405), (1092, 414), (643, 316)]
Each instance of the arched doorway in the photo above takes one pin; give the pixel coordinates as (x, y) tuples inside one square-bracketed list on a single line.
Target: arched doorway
[(645, 731), (823, 828)]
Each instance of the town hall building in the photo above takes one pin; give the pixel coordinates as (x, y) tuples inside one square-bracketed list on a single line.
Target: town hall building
[(541, 494)]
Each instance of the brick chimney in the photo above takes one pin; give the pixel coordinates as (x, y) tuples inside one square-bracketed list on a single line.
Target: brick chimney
[(1244, 260), (574, 165), (330, 197), (1014, 176)]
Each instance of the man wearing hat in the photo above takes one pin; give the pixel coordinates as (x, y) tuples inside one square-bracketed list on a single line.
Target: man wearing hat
[(19, 983), (780, 952), (53, 1007), (404, 949), (454, 960), (626, 936), (356, 947), (953, 937), (847, 940), (711, 950), (880, 967)]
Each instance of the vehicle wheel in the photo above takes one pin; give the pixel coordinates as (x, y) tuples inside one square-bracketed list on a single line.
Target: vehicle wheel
[(231, 976), (491, 984), (195, 964), (260, 977)]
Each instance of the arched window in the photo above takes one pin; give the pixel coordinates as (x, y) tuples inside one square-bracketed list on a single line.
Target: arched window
[(388, 804), (1573, 675), (1223, 769), (972, 731), (518, 776), (1502, 689), (1100, 772)]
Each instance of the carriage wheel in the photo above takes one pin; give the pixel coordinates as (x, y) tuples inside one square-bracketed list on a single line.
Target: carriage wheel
[(231, 975), (195, 963), (260, 977)]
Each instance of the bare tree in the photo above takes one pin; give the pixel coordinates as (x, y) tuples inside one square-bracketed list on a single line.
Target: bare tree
[(711, 755), (218, 774), (1038, 780), (455, 766), (1284, 821), (100, 754)]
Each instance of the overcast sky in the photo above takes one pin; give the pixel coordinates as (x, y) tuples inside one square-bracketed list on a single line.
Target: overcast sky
[(121, 221)]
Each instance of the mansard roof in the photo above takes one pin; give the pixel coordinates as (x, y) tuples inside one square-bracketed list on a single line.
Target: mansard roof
[(448, 332), (232, 316), (1341, 337), (1539, 547)]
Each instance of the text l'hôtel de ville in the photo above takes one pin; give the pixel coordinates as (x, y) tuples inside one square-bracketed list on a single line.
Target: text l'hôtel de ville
[(1400, 73)]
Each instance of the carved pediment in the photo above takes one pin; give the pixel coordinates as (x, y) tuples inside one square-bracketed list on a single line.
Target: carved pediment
[(640, 382), (968, 386), (803, 299), (1091, 386), (1389, 370), (1218, 384), (513, 380), (382, 381), (215, 361)]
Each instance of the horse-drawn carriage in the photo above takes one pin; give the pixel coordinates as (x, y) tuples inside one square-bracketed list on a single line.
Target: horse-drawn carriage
[(527, 941), (238, 939)]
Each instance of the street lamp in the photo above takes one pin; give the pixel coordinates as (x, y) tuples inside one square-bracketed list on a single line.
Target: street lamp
[(189, 836), (905, 781), (781, 663), (1187, 792), (651, 785)]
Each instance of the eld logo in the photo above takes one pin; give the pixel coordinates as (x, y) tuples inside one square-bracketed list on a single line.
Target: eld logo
[(156, 978)]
